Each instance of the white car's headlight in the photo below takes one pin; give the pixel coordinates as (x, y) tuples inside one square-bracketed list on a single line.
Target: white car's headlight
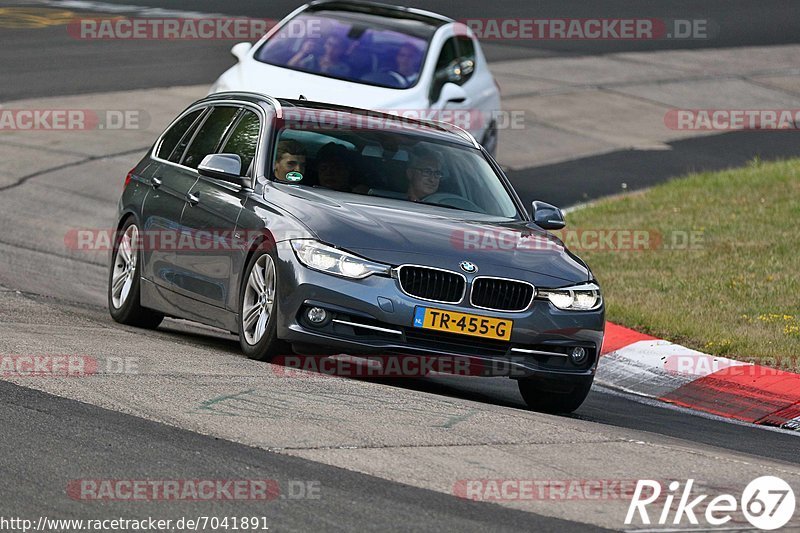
[(577, 298), (328, 259)]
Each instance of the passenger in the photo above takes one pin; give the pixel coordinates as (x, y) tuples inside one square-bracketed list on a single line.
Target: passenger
[(289, 157), (334, 168), (330, 62), (424, 173)]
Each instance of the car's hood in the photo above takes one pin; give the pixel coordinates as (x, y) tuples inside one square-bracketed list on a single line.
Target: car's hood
[(398, 232), (287, 83)]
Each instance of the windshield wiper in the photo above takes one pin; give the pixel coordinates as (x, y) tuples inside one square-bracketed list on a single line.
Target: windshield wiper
[(442, 205)]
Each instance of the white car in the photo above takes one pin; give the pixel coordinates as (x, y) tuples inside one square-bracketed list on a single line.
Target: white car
[(393, 59)]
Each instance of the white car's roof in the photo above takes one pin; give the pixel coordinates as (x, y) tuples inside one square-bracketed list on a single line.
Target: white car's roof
[(379, 9)]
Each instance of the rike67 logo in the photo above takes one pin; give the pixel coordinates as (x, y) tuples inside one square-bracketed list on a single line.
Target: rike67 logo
[(767, 503)]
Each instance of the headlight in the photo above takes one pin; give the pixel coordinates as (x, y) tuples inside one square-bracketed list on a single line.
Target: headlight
[(328, 259), (578, 298)]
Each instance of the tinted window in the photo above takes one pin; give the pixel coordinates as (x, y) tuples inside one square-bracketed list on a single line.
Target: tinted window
[(366, 48), (399, 166), (209, 135), (244, 139), (173, 136), (177, 153)]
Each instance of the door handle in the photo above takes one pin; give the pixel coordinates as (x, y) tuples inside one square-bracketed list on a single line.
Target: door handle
[(193, 199), (155, 182)]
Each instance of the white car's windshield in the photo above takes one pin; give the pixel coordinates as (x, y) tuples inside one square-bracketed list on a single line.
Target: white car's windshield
[(372, 50), (400, 165)]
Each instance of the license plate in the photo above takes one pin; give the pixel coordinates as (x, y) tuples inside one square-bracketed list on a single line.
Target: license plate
[(462, 323)]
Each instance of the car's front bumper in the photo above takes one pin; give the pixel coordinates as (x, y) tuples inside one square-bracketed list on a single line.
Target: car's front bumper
[(373, 316)]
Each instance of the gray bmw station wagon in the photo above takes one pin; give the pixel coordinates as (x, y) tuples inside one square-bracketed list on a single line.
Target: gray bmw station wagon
[(309, 228)]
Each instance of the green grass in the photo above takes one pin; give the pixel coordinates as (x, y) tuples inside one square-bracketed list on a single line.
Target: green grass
[(737, 293)]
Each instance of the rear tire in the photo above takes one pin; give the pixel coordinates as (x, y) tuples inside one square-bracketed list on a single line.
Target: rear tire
[(547, 399), (124, 282)]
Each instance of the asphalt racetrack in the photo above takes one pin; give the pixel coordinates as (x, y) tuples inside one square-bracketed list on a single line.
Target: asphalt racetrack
[(385, 454)]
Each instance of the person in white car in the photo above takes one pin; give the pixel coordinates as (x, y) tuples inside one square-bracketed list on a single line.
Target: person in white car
[(407, 71), (330, 62)]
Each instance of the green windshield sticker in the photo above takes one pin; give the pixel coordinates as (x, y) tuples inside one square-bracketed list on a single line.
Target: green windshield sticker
[(294, 176)]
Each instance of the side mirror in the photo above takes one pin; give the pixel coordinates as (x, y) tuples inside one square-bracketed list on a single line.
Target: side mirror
[(452, 93), (547, 216), (240, 50), (467, 67), (225, 167), (457, 71)]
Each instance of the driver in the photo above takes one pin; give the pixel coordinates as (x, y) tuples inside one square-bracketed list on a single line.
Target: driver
[(407, 60), (424, 173)]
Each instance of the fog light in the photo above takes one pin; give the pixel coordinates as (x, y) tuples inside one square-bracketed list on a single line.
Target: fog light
[(577, 355), (317, 315)]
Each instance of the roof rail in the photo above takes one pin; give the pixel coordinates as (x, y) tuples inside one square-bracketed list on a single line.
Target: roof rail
[(442, 126), (437, 124), (461, 132), (276, 104), (273, 101)]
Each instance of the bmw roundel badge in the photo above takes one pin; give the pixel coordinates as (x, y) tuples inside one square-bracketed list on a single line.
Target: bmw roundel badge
[(469, 268)]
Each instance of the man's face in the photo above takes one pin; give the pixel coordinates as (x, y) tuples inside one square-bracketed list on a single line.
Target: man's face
[(289, 163), (424, 178), (406, 61)]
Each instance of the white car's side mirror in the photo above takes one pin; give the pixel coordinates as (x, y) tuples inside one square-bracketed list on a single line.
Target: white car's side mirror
[(452, 93), (240, 50)]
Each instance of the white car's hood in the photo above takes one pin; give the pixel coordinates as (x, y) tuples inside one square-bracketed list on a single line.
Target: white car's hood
[(286, 83)]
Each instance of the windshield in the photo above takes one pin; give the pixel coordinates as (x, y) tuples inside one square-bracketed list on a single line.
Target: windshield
[(399, 165), (365, 49)]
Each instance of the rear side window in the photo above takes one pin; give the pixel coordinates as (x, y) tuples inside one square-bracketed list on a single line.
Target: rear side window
[(209, 135), (177, 153), (174, 135), (243, 140)]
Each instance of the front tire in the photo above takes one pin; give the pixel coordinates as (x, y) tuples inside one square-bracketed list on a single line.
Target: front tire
[(258, 308), (544, 397), (124, 282)]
